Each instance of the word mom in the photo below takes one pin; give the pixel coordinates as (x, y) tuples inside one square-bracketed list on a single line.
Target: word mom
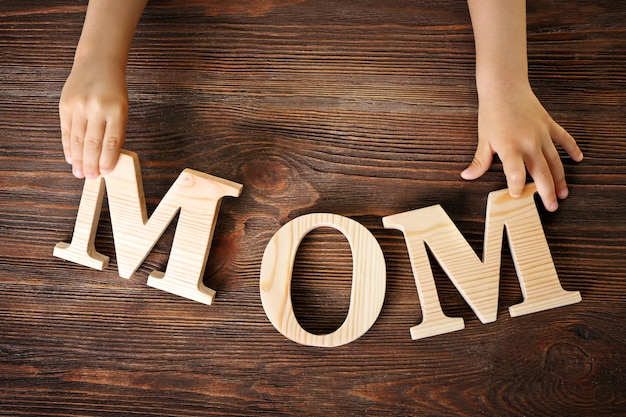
[(197, 196)]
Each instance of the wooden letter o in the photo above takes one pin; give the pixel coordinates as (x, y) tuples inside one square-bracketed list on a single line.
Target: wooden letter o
[(368, 279)]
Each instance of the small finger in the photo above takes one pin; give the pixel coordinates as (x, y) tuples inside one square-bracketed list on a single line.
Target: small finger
[(66, 131), (555, 165), (567, 142), (77, 139), (92, 147), (542, 175), (112, 144), (515, 173)]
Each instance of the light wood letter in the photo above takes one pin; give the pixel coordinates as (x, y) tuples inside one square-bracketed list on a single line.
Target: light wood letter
[(197, 195), (478, 281), (368, 279)]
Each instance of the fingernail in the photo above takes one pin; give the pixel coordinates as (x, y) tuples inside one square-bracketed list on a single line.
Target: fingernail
[(553, 206), (563, 193)]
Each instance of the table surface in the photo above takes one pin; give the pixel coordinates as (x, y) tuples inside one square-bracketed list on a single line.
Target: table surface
[(359, 108)]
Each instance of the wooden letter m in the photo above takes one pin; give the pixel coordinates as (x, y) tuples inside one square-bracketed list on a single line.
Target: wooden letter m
[(197, 195), (476, 280)]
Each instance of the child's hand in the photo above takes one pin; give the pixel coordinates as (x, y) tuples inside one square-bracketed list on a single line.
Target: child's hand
[(515, 125), (94, 101), (93, 111)]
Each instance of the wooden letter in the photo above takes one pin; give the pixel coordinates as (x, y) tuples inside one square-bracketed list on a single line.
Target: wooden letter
[(478, 281), (368, 280), (196, 194)]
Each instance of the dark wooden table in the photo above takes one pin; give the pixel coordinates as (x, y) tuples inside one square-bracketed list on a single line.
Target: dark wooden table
[(359, 108)]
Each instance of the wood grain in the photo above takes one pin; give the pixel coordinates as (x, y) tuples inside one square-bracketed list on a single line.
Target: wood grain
[(478, 279), (368, 279), (359, 108), (195, 197)]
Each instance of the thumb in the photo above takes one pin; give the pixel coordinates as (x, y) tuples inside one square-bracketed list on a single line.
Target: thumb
[(480, 164)]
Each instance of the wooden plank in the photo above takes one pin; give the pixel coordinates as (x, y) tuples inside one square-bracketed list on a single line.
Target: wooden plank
[(359, 108)]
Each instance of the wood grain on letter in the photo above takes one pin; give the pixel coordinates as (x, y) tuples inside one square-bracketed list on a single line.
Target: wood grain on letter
[(195, 194), (368, 279), (478, 280)]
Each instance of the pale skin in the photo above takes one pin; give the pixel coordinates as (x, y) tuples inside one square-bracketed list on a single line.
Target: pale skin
[(94, 101), (512, 123)]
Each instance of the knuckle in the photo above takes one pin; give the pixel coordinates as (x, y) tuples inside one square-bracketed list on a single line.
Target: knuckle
[(92, 142), (477, 162), (543, 173), (516, 175), (77, 139), (65, 105), (554, 159), (72, 104), (112, 142), (110, 106), (94, 106)]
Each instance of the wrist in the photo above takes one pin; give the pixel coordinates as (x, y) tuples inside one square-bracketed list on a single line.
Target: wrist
[(497, 85), (90, 57)]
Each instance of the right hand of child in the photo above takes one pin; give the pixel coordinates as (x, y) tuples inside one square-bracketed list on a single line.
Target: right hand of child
[(513, 124)]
